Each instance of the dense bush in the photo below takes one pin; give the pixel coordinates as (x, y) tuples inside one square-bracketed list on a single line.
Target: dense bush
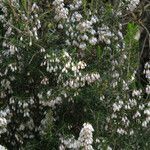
[(68, 74)]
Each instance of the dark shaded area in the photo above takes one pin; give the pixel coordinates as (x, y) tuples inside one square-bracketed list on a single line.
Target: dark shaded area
[(144, 43)]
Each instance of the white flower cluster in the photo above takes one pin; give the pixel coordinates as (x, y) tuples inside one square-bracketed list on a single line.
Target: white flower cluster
[(64, 68), (82, 32), (60, 10), (117, 106), (35, 21), (137, 93), (146, 122), (80, 81), (148, 89), (84, 141), (22, 108), (147, 75), (105, 34), (2, 147), (3, 124), (100, 142), (60, 77), (59, 66), (32, 25), (86, 137), (147, 109), (53, 102), (132, 4), (115, 74), (68, 74), (75, 5), (69, 143), (147, 71), (121, 131)]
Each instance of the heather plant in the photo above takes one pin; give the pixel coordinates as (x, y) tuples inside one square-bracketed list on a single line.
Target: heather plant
[(68, 76)]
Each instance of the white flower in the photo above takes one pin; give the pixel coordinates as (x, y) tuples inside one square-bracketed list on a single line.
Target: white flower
[(86, 136), (148, 89), (121, 131), (81, 65), (2, 121), (82, 46), (144, 123), (147, 112), (136, 93), (93, 41), (132, 4), (105, 34), (84, 26), (75, 43), (137, 115), (2, 147), (77, 16), (60, 26), (60, 10), (94, 19), (57, 2), (68, 42), (116, 107), (84, 37), (109, 148), (92, 31), (84, 141)]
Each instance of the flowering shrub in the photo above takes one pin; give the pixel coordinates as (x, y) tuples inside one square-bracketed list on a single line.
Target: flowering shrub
[(84, 141), (68, 76)]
